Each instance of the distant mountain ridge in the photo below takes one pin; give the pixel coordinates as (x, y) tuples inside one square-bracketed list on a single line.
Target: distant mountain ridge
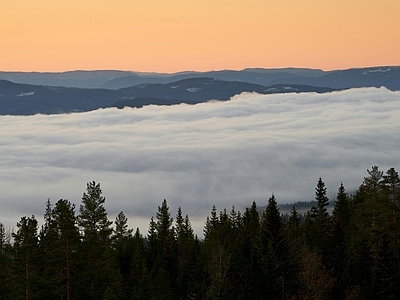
[(256, 76), (75, 91), (388, 76), (26, 99), (79, 79)]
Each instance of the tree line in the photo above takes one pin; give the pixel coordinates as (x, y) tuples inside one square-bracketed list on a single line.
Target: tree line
[(351, 253)]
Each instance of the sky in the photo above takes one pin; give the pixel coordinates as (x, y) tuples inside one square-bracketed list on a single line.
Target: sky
[(178, 35), (196, 156)]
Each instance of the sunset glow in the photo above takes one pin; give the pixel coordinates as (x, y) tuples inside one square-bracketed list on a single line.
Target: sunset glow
[(177, 35)]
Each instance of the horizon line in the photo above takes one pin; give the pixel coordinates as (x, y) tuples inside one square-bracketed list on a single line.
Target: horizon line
[(195, 71)]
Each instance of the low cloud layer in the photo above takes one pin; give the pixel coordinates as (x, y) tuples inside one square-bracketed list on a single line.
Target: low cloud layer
[(222, 153)]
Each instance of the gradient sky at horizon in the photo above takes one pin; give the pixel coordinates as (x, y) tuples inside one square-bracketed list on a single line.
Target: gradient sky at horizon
[(178, 35)]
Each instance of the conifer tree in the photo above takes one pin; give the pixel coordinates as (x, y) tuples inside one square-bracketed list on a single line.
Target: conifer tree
[(362, 261), (179, 227), (315, 280), (308, 229), (294, 232), (272, 227), (276, 252), (121, 242), (166, 245), (374, 211), (391, 181), (138, 267), (217, 254), (164, 222), (65, 248), (386, 282), (323, 225), (294, 221), (96, 229), (48, 240), (207, 230), (152, 246), (5, 263), (322, 200), (372, 191), (48, 217), (246, 272), (26, 261), (121, 227), (186, 252), (235, 219), (341, 215), (341, 211), (93, 218)]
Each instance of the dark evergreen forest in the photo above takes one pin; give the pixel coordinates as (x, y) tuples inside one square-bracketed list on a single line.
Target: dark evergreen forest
[(351, 253)]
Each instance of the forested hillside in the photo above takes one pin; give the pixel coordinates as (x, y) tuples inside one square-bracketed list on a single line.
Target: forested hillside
[(351, 253), (27, 99)]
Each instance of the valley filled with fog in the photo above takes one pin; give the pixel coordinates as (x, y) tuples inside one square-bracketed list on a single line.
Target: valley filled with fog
[(223, 153)]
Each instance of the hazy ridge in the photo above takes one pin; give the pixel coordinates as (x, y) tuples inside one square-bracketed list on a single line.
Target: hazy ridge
[(27, 99)]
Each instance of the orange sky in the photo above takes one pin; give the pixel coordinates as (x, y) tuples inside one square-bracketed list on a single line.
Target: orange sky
[(177, 35)]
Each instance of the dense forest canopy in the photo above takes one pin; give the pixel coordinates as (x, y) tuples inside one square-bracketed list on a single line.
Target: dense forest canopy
[(351, 252)]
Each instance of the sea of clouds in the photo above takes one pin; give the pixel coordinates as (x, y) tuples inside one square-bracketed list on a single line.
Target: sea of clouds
[(223, 153)]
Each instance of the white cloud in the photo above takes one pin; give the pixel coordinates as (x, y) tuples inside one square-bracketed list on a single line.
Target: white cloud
[(222, 153)]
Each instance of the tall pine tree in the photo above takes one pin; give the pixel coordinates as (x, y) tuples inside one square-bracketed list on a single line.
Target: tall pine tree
[(65, 249), (26, 262), (323, 225), (94, 224)]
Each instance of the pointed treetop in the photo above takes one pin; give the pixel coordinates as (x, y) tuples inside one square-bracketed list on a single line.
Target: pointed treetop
[(93, 215), (294, 218), (121, 226), (320, 194)]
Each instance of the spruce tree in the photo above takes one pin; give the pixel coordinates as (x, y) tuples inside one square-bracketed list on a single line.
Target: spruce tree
[(121, 244), (323, 225), (391, 181), (26, 262), (373, 194), (139, 277), (164, 222), (138, 267), (167, 250), (386, 282), (65, 249), (235, 219), (93, 218), (341, 215), (96, 229), (152, 248), (5, 263), (246, 272), (217, 254), (48, 240), (276, 251), (294, 221), (121, 227), (186, 256), (322, 199), (179, 228), (294, 233), (374, 212)]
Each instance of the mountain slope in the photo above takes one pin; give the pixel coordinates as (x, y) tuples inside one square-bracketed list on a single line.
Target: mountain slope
[(80, 79), (23, 99), (388, 76), (352, 78), (255, 76)]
